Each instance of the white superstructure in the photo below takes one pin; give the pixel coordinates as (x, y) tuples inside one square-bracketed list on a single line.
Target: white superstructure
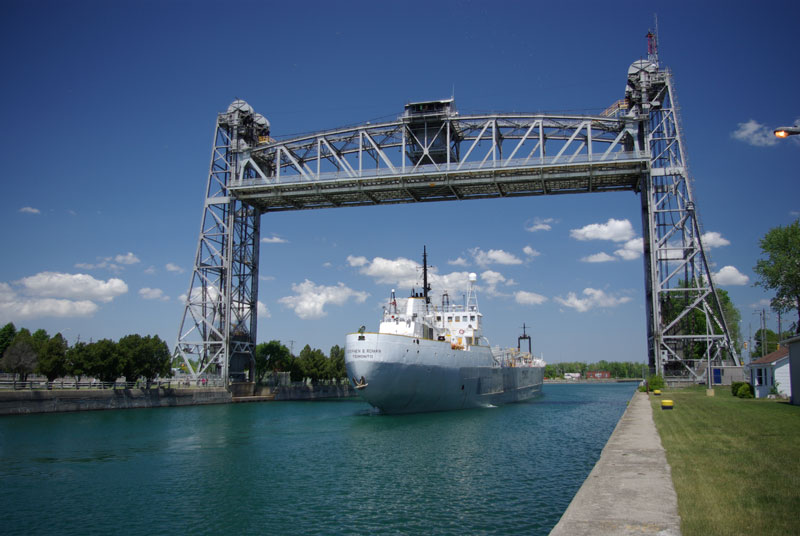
[(433, 358)]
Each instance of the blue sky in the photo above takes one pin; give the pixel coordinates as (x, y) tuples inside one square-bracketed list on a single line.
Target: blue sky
[(108, 118)]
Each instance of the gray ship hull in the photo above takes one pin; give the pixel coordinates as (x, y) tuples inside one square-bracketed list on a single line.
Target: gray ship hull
[(404, 374)]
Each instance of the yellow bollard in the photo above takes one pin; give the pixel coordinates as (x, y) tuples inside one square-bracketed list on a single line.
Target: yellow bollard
[(657, 392), (666, 404)]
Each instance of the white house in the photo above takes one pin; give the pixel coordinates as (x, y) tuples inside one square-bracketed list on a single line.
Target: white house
[(770, 371)]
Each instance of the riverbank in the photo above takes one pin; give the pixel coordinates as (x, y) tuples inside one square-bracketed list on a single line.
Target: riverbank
[(67, 400), (603, 380), (629, 490), (31, 401)]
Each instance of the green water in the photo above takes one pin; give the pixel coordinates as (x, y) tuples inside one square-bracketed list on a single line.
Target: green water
[(304, 467)]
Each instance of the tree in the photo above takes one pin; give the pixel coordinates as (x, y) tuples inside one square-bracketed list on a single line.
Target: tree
[(20, 357), (336, 363), (7, 334), (132, 353), (272, 356), (312, 364), (780, 270), (104, 360), (771, 338), (674, 304), (156, 359), (77, 361), (53, 358), (38, 340)]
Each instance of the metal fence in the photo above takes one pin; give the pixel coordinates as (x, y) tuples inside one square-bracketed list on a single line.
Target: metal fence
[(71, 384)]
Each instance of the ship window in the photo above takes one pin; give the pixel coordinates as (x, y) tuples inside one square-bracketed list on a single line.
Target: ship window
[(449, 318), (472, 318), (458, 319)]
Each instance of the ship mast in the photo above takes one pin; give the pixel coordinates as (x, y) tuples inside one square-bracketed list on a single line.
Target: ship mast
[(425, 286)]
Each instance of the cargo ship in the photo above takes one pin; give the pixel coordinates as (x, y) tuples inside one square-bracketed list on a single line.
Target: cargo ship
[(426, 357)]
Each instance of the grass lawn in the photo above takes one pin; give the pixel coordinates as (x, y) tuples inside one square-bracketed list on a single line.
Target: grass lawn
[(735, 462)]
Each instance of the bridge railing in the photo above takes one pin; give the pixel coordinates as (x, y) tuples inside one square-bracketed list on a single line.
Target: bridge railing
[(447, 168)]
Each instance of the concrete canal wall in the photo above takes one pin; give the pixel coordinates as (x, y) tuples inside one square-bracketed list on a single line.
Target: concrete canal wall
[(58, 400)]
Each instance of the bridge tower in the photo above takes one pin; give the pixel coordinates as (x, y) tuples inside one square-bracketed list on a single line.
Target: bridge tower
[(218, 329), (686, 329)]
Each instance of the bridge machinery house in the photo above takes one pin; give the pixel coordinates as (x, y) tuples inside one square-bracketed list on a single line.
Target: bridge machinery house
[(772, 370)]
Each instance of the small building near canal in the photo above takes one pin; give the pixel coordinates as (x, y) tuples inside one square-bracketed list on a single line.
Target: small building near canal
[(772, 371)]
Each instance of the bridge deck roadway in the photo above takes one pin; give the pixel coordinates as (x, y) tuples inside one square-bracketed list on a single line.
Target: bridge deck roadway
[(432, 184)]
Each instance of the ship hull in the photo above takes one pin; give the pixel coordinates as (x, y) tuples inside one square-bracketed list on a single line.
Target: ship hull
[(410, 375)]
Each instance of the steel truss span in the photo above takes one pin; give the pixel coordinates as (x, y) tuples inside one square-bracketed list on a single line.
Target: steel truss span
[(431, 153)]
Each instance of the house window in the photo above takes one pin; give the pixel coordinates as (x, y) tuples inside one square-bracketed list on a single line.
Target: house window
[(759, 376)]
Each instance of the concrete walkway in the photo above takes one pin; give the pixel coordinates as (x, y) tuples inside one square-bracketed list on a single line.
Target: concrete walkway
[(630, 489)]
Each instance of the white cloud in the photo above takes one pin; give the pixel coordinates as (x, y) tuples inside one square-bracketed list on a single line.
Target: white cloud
[(150, 270), (599, 257), (274, 240), (730, 276), (16, 306), (152, 294), (30, 210), (78, 286), (614, 230), (539, 224), (262, 311), (174, 268), (401, 271), (592, 298), (310, 299), (493, 256), (713, 239), (631, 250), (357, 261), (105, 264), (453, 282), (28, 308), (128, 258), (461, 261), (754, 133), (493, 280), (529, 298), (530, 252)]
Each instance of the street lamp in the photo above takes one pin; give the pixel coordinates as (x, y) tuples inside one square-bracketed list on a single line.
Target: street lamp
[(785, 132)]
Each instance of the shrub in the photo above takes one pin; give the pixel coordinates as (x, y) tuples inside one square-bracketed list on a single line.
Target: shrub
[(745, 391), (735, 387), (656, 382)]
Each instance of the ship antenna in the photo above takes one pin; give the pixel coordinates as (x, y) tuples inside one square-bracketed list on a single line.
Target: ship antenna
[(652, 43)]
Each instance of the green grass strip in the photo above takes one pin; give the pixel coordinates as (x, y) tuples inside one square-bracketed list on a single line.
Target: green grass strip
[(735, 462)]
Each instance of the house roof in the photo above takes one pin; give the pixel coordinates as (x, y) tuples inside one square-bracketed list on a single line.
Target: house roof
[(780, 353)]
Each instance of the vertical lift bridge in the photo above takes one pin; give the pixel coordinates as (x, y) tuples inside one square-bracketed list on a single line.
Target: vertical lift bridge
[(431, 153)]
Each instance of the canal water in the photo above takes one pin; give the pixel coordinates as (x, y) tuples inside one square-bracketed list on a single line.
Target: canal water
[(304, 467)]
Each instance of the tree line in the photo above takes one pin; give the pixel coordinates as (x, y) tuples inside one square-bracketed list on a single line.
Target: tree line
[(617, 369), (133, 356), (274, 357)]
